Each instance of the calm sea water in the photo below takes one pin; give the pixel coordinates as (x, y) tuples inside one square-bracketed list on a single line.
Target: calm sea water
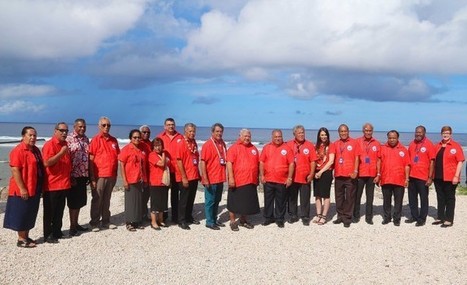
[(12, 132)]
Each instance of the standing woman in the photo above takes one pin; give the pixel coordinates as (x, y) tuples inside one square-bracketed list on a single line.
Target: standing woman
[(325, 152), (448, 165), (25, 187), (159, 159), (133, 162)]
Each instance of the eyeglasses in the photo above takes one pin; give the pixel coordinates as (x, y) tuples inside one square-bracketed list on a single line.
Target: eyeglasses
[(146, 132), (105, 125), (136, 138), (62, 130)]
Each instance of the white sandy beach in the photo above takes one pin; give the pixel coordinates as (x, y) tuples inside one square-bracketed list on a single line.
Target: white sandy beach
[(329, 254)]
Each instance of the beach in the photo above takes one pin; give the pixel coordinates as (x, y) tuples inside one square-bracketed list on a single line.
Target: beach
[(296, 254)]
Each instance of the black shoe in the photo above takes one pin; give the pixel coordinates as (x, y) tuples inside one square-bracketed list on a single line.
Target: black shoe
[(346, 225), (355, 220), (234, 227), (194, 222), (446, 225), (409, 221), (213, 227), (437, 222), (81, 229), (184, 226), (74, 233), (369, 221), (397, 223), (338, 221), (51, 239), (385, 222), (246, 225), (280, 224), (306, 222), (293, 219), (219, 224), (267, 222)]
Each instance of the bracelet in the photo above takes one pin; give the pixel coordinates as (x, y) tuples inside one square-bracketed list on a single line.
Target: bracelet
[(289, 179)]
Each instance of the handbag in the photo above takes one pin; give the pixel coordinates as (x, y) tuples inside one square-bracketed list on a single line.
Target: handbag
[(166, 176)]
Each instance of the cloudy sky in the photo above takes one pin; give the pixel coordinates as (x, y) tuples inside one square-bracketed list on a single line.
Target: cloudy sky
[(259, 63)]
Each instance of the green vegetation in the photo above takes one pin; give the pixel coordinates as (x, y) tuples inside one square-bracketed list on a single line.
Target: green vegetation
[(462, 189)]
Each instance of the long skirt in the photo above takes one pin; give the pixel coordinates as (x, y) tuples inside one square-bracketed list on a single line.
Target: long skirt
[(243, 200), (133, 203), (20, 215)]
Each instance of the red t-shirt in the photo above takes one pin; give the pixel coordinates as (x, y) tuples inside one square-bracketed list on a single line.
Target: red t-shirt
[(59, 174), (304, 155), (369, 156), (452, 155), (170, 145), (276, 160), (213, 154), (187, 153), (322, 154), (346, 153), (421, 154), (23, 158), (245, 163), (135, 163), (393, 163), (155, 171), (105, 152)]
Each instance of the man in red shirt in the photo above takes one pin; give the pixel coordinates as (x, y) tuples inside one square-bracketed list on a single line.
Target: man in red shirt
[(187, 176), (345, 172), (57, 164), (103, 153), (213, 164), (422, 156), (368, 173), (276, 169), (305, 162), (146, 147), (395, 167), (171, 138)]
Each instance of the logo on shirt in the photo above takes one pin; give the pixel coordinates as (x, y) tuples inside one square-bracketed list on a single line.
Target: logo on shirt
[(374, 148), (423, 149), (453, 151), (401, 154), (253, 151), (283, 152), (114, 146), (306, 151), (349, 148), (178, 140)]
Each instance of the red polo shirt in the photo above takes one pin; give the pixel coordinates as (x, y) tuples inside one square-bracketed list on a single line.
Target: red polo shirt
[(346, 153), (322, 154), (304, 155), (105, 152), (189, 158), (155, 171), (421, 154), (59, 174), (245, 163), (452, 155), (23, 158), (393, 163), (170, 145), (276, 160), (370, 153), (214, 156), (135, 163)]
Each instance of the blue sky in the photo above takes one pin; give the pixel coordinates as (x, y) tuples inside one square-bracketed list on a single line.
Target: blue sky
[(265, 63)]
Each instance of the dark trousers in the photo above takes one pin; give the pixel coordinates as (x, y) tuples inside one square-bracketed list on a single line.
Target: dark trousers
[(369, 185), (305, 194), (145, 199), (54, 205), (186, 202), (275, 199), (345, 190), (173, 199), (446, 196), (388, 191), (417, 187)]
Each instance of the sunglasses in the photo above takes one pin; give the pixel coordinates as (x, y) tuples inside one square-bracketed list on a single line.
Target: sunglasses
[(62, 130), (136, 138), (146, 132), (105, 125)]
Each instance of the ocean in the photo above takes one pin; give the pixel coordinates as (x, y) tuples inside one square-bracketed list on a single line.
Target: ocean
[(10, 132)]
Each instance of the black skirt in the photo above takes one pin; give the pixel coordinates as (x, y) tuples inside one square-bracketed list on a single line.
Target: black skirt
[(243, 200), (159, 196), (134, 203), (322, 186)]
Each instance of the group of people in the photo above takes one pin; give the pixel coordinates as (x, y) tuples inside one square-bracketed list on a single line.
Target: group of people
[(149, 168)]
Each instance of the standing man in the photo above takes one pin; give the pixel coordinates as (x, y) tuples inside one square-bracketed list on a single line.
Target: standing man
[(57, 164), (213, 165), (103, 153), (187, 176), (422, 156), (305, 162), (368, 175), (171, 138), (146, 148), (78, 146), (276, 167), (395, 167), (345, 172)]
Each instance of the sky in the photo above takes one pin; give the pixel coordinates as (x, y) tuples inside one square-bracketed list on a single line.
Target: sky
[(257, 64)]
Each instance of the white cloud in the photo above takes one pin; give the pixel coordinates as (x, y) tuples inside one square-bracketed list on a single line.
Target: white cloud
[(63, 29), (19, 107), (25, 90)]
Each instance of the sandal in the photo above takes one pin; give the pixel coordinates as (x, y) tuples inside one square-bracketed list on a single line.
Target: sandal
[(322, 220), (316, 219), (130, 228), (25, 244)]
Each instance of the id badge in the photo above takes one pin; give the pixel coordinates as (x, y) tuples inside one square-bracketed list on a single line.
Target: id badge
[(341, 160), (195, 161), (415, 159), (367, 159), (222, 161)]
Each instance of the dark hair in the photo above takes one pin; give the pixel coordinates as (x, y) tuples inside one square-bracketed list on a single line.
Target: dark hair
[(158, 141), (318, 140), (25, 130), (421, 127), (132, 132), (80, 120), (60, 123), (393, 131), (217, 125), (169, 120), (446, 128)]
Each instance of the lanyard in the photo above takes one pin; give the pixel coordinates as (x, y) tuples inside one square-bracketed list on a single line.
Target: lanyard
[(221, 152)]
